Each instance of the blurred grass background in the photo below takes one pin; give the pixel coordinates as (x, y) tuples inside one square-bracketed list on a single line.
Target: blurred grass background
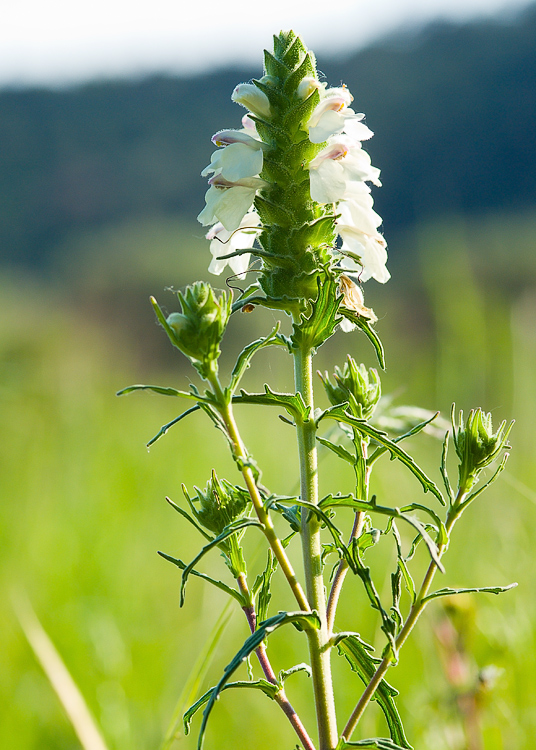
[(83, 509)]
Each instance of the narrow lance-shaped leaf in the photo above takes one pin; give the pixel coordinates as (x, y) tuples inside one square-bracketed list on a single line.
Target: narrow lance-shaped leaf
[(219, 584), (163, 391), (480, 590), (307, 619), (364, 324), (347, 501), (374, 743), (339, 413), (244, 358), (444, 473), (339, 450), (410, 433), (268, 688), (408, 580), (189, 518), (231, 529), (162, 431), (357, 653)]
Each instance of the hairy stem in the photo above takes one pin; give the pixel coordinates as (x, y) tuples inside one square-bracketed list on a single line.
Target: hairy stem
[(280, 697), (414, 614), (319, 648), (240, 453)]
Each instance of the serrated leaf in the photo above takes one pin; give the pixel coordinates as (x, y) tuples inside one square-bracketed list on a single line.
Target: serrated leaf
[(312, 331), (335, 532), (480, 590), (292, 402), (347, 501), (245, 356), (264, 629), (358, 656), (365, 428), (229, 530), (408, 580), (219, 584), (388, 625), (261, 587), (444, 473), (268, 688)]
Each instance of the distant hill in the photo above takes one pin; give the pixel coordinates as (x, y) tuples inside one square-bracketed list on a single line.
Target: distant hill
[(454, 110)]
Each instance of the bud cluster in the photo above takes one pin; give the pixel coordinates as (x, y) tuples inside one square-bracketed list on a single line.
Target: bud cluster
[(477, 446), (198, 329), (218, 505), (354, 384)]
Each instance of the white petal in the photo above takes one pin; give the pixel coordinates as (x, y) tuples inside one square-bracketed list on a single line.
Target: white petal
[(330, 123), (237, 161), (327, 182), (356, 129), (233, 204)]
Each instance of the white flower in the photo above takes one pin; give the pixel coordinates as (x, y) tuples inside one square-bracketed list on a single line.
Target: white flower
[(228, 202), (353, 300), (337, 166), (223, 242), (333, 116), (358, 225), (252, 98), (236, 161)]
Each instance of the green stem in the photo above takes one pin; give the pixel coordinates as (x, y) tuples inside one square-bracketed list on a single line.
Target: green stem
[(414, 614), (240, 452), (280, 697), (319, 648)]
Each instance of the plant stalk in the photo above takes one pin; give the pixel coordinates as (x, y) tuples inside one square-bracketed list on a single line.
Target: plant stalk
[(280, 697), (319, 648), (414, 614), (240, 452)]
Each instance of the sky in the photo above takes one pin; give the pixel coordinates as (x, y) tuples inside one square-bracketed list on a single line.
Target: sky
[(55, 42)]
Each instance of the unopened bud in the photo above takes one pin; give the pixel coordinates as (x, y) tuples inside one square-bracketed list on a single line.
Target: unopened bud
[(477, 445), (252, 98), (354, 384)]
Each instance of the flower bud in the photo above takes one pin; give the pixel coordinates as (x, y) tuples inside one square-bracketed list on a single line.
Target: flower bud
[(198, 329), (477, 445), (356, 385), (218, 504), (252, 98)]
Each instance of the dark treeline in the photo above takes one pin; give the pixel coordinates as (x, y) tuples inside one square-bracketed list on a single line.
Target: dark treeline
[(453, 107)]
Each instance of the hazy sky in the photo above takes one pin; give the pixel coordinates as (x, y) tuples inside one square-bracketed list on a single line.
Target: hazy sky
[(55, 41)]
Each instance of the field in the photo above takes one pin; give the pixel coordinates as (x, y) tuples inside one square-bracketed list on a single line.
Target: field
[(83, 510)]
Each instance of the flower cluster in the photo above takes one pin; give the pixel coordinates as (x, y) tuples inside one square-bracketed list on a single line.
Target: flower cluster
[(296, 164)]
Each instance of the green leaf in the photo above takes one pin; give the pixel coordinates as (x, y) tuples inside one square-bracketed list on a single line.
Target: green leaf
[(292, 402), (189, 518), (408, 579), (162, 431), (285, 673), (312, 331), (231, 529), (335, 532), (261, 587), (494, 476), (444, 473), (388, 626), (219, 584), (338, 450), (381, 743), (364, 428), (307, 619), (157, 389), (369, 332), (244, 358), (268, 688), (358, 655), (480, 590), (347, 501)]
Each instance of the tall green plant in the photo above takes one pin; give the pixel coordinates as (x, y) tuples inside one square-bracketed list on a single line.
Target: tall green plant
[(289, 204)]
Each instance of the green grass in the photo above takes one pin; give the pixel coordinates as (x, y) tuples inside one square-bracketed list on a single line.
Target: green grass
[(83, 510)]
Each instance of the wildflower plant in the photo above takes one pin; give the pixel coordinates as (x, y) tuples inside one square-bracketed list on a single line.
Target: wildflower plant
[(289, 207)]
